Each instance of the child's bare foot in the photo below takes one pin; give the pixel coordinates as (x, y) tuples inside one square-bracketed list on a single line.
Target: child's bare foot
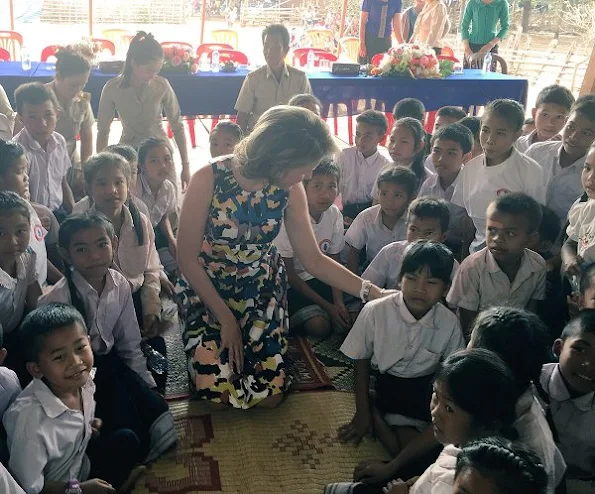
[(134, 475)]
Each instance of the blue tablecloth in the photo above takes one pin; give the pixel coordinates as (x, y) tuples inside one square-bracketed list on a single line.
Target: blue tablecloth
[(215, 94)]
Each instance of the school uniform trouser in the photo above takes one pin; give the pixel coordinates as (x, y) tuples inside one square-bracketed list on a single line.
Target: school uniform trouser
[(375, 45)]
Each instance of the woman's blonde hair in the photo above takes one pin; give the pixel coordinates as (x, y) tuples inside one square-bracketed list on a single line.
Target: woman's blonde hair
[(284, 138)]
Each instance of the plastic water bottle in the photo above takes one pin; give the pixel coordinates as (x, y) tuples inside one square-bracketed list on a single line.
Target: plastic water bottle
[(487, 62), (310, 62), (215, 61), (156, 362), (25, 60), (204, 65)]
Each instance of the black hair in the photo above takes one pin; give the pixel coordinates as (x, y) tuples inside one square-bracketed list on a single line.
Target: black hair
[(585, 106), (375, 119), (10, 152), (455, 132), (419, 135), (231, 127), (410, 107), (529, 121), (305, 98), (512, 467), (549, 227), (509, 110), (72, 225), (517, 204), (69, 63), (480, 382), (399, 175), (42, 322), (277, 30), (587, 277), (451, 112), (434, 255), (127, 152), (430, 207), (519, 337), (104, 159), (584, 323), (326, 167), (33, 93), (143, 49), (11, 202), (556, 95), (473, 124), (147, 145)]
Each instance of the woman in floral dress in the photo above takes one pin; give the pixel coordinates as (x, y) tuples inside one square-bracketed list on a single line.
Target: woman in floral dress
[(232, 294)]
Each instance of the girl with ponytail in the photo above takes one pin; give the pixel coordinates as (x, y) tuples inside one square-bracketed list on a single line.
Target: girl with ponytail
[(140, 96), (102, 295)]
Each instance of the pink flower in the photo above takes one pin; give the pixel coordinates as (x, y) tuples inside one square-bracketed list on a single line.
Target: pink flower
[(186, 57), (415, 61), (175, 61), (424, 61)]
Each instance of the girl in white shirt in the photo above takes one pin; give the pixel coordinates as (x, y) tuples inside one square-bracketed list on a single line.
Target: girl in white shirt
[(406, 146), (498, 466), (102, 295), (473, 397)]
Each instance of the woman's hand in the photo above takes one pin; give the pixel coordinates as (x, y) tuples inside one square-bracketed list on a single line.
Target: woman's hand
[(572, 267), (468, 51), (362, 49), (96, 486), (231, 339), (185, 176), (373, 472)]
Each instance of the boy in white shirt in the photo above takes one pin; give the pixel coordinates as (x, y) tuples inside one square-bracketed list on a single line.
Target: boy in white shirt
[(427, 219), (51, 424), (570, 385), (501, 170), (313, 305), (563, 161), (474, 125), (361, 164), (505, 272), (451, 147), (446, 115), (551, 110), (48, 161), (384, 223), (402, 337)]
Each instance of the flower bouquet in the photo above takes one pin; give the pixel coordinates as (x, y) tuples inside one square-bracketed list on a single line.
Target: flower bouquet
[(413, 61), (179, 59)]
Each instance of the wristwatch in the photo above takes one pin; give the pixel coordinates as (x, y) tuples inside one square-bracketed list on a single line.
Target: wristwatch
[(73, 487)]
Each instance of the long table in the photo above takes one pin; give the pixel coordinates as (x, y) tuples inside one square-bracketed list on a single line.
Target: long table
[(215, 93)]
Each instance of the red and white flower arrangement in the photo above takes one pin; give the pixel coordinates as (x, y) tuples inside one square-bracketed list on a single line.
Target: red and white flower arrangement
[(179, 59), (414, 61)]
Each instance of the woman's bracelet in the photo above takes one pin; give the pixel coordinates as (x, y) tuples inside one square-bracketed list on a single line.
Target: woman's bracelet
[(364, 292)]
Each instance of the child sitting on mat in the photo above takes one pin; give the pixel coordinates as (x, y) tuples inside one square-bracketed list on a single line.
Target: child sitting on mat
[(223, 138)]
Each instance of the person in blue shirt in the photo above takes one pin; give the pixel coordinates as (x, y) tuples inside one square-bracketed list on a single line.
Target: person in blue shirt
[(408, 19), (378, 19)]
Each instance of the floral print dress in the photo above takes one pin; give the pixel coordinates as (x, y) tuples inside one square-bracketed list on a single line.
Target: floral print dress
[(248, 273)]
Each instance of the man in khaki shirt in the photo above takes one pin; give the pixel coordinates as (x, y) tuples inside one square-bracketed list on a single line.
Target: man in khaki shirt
[(271, 85)]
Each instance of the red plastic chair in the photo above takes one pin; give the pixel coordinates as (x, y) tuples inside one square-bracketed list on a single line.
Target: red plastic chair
[(447, 51), (444, 57), (49, 51), (12, 42), (206, 48), (4, 55), (105, 45), (317, 58), (376, 59), (177, 44), (230, 56)]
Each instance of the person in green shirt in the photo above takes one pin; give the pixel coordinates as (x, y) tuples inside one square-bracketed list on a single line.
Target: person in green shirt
[(479, 23)]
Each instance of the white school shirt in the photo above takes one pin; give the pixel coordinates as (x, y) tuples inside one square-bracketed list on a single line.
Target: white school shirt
[(456, 225), (563, 185), (428, 173), (46, 169), (110, 318), (480, 283), (523, 143), (397, 343), (138, 263), (359, 174), (439, 477), (13, 291), (479, 185), (328, 232), (385, 268), (535, 433), (581, 228), (10, 388), (37, 244), (8, 485), (574, 419), (162, 204), (46, 439), (367, 230)]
